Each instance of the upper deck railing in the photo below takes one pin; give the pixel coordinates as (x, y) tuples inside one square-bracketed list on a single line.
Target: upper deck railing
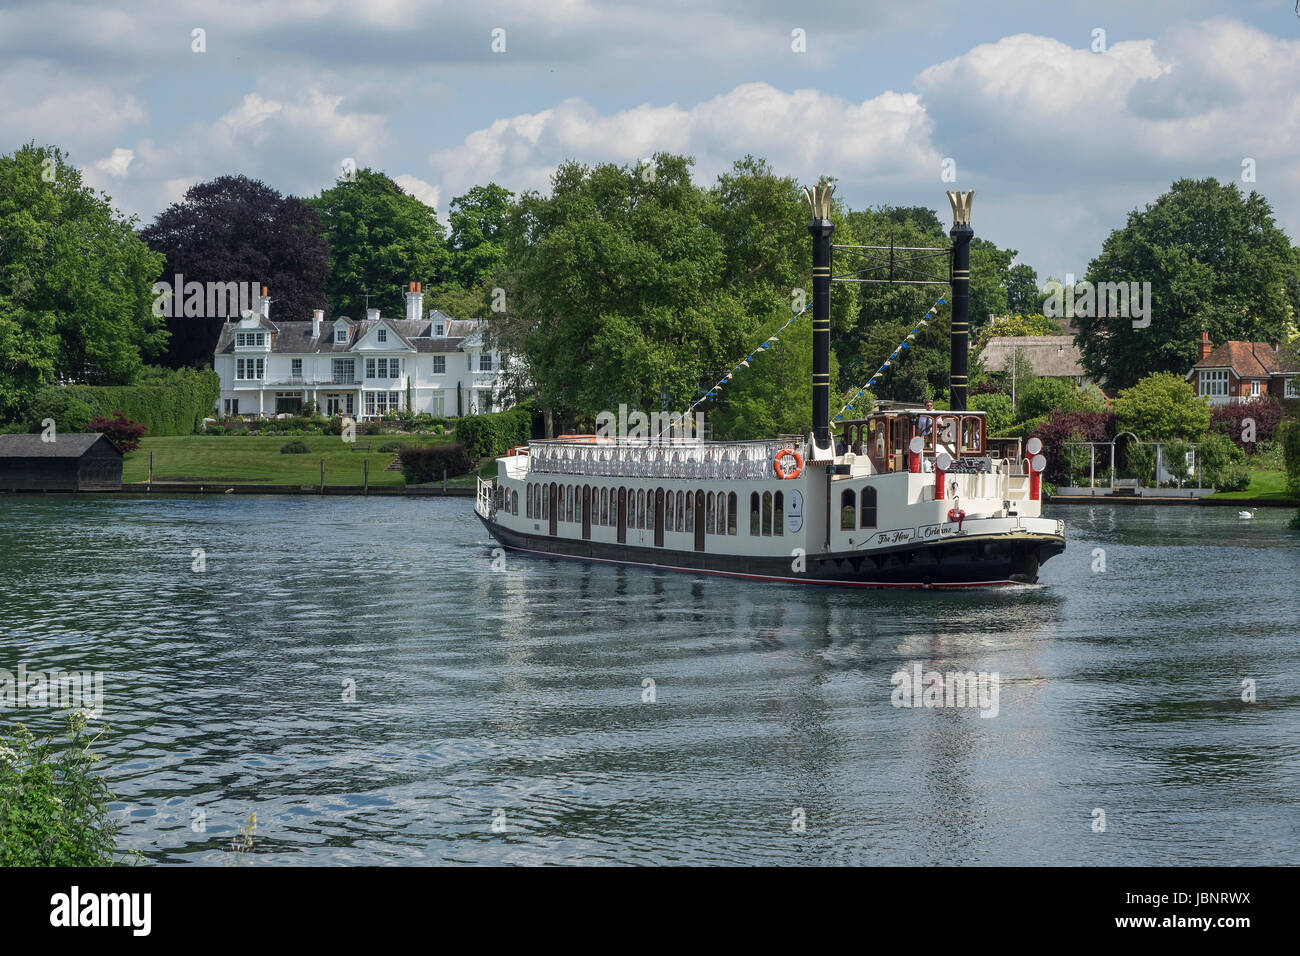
[(657, 458)]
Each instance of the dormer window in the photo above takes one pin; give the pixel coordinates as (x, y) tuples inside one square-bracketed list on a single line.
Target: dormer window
[(439, 328), (381, 335), (250, 338), (341, 336)]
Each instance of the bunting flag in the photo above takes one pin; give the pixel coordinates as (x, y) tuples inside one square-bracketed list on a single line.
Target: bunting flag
[(744, 363), (839, 416)]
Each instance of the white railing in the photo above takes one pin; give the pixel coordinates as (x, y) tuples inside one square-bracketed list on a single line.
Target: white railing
[(633, 458), (484, 502)]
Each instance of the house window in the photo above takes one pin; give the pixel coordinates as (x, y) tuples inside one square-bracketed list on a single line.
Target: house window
[(232, 406), (1292, 389), (296, 368), (439, 329), (249, 369), (381, 403), (485, 362), (341, 336), (344, 370), (381, 335), (288, 403), (1254, 388), (868, 508), (439, 365), (435, 405), (1213, 382)]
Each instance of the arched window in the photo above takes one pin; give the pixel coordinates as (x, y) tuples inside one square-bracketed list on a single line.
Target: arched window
[(731, 513), (514, 502), (868, 508), (668, 511), (708, 514), (690, 512), (848, 510), (528, 501), (681, 509), (778, 513), (568, 503), (640, 507), (753, 514), (546, 501), (604, 506), (767, 512)]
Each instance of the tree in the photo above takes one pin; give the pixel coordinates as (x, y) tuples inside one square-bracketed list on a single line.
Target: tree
[(1061, 428), (380, 239), (1247, 423), (1043, 395), (236, 229), (1022, 290), (75, 281), (1215, 261), (997, 411), (1160, 407), (476, 236), (125, 433)]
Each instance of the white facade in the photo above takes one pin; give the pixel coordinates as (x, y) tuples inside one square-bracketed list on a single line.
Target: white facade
[(434, 364)]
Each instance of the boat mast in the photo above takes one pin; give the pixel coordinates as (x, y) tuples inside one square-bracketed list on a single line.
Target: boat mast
[(961, 235), (821, 227)]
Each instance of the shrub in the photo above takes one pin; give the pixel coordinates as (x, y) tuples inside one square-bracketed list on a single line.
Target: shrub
[(166, 401), (996, 407), (1221, 459), (295, 447), (1290, 438), (125, 433), (1060, 428), (70, 413), (53, 808), (424, 464), (1230, 419), (488, 436), (390, 446), (1162, 406)]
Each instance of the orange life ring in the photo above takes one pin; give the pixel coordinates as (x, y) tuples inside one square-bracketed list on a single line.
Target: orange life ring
[(798, 463)]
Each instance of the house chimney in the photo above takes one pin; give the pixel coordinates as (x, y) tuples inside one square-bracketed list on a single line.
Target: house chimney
[(372, 315), (317, 316), (1206, 348), (264, 304), (414, 303)]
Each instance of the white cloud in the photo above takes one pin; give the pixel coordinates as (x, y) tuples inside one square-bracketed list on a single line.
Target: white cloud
[(116, 163), (425, 192)]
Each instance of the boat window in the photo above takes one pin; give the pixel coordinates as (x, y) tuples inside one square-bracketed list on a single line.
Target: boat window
[(753, 514), (767, 512), (514, 502), (778, 513), (868, 507), (668, 511), (568, 504), (731, 513), (690, 512), (708, 514), (848, 510), (640, 507)]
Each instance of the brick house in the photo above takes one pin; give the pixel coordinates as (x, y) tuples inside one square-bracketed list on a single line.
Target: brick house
[(1240, 371)]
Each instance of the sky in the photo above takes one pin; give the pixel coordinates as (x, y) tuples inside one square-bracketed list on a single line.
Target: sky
[(1063, 116)]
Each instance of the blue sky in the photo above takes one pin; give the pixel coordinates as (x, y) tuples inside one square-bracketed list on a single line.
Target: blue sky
[(1058, 140)]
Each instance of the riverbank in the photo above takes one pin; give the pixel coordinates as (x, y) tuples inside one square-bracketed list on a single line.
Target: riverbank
[(1213, 501)]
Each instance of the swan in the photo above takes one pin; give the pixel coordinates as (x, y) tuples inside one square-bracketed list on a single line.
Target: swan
[(1245, 514)]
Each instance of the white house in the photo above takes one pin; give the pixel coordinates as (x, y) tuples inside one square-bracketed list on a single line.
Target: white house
[(361, 369)]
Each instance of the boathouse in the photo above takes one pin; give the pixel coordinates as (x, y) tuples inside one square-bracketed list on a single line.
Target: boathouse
[(71, 462)]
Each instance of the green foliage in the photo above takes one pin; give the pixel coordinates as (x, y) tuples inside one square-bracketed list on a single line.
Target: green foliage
[(421, 465), (53, 808), (166, 401), (1215, 260), (477, 223), (380, 239), (997, 409), (296, 448), (1043, 395), (772, 396), (76, 282), (1222, 463), (490, 435), (1162, 406), (391, 446), (1289, 436), (70, 414)]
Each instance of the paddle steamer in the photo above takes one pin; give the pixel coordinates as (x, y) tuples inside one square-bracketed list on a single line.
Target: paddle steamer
[(903, 497)]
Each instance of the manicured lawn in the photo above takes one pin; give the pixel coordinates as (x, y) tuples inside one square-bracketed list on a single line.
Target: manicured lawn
[(256, 459), (1263, 484)]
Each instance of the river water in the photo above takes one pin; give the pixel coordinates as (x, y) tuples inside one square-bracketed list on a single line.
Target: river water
[(506, 715)]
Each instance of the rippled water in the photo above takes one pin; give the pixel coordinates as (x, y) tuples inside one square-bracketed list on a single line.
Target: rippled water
[(520, 691)]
